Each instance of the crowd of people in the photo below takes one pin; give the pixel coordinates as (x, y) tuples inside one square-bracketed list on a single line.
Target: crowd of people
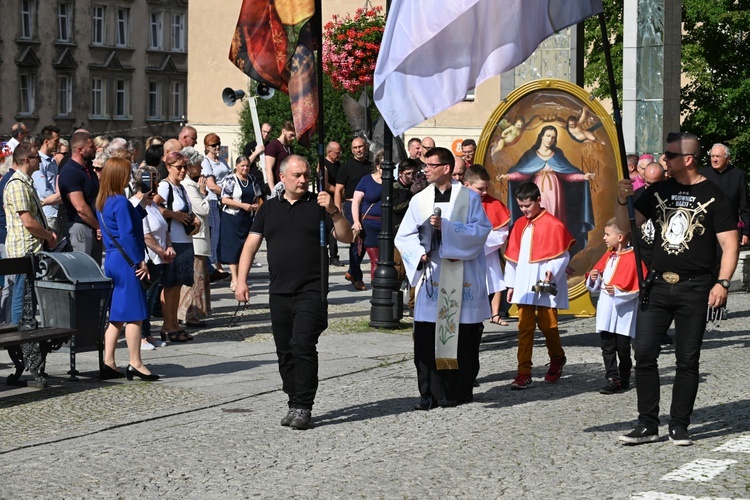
[(155, 225), (167, 226)]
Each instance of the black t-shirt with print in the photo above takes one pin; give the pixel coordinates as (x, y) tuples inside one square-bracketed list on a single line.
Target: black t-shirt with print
[(686, 220)]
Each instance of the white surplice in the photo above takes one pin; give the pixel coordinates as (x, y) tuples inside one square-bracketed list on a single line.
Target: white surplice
[(495, 240), (614, 313), (522, 276), (461, 241)]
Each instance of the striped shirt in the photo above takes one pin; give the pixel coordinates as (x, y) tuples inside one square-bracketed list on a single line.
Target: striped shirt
[(20, 196)]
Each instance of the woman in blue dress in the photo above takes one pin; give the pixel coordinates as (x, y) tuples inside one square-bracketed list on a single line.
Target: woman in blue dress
[(121, 224)]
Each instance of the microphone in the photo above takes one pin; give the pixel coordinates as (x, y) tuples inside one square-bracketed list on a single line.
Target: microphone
[(436, 233)]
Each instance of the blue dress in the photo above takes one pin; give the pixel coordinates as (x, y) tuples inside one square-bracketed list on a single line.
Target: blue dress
[(124, 221)]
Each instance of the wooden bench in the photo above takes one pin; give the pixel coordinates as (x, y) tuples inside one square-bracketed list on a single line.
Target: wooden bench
[(27, 344)]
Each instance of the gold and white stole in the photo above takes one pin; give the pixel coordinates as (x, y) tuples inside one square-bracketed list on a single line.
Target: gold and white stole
[(450, 288)]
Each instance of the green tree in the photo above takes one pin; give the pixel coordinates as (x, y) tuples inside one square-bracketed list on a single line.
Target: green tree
[(278, 109), (715, 42), (595, 72)]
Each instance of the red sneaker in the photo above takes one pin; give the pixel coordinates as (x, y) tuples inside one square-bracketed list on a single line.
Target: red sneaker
[(522, 381), (555, 369)]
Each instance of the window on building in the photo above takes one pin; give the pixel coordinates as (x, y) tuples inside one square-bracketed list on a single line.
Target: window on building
[(177, 100), (28, 8), (154, 100), (155, 31), (27, 83), (98, 102), (178, 32), (122, 99), (64, 95), (63, 21), (98, 27), (123, 27)]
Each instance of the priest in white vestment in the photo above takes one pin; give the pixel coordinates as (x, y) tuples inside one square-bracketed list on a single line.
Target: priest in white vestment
[(441, 240)]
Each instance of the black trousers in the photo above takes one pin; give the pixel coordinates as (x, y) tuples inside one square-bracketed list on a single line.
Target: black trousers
[(686, 303), (442, 385), (615, 346), (297, 320)]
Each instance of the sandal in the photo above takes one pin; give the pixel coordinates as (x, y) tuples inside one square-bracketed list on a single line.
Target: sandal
[(177, 336), (186, 334), (499, 320)]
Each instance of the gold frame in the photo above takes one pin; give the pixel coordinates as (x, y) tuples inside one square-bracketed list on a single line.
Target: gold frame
[(580, 299)]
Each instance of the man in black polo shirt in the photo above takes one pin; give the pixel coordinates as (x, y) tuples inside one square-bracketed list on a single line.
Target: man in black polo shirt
[(79, 185), (347, 179), (299, 313)]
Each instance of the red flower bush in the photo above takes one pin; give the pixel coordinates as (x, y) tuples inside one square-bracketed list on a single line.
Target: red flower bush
[(350, 48)]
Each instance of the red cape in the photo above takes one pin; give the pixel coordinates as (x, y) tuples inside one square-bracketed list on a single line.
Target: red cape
[(496, 211), (624, 278), (550, 238)]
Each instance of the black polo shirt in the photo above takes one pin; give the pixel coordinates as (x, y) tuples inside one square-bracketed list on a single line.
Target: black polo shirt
[(351, 173), (292, 233), (75, 177)]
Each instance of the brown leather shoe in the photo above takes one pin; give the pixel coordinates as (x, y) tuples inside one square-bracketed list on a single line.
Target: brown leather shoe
[(359, 285)]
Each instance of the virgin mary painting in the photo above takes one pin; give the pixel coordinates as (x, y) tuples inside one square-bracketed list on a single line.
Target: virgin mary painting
[(564, 188)]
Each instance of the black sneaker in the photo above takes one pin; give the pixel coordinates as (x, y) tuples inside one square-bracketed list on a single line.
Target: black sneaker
[(301, 419), (640, 435), (613, 385), (288, 418), (679, 436)]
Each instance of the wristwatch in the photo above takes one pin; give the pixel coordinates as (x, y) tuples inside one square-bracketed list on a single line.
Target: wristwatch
[(724, 283), (335, 211)]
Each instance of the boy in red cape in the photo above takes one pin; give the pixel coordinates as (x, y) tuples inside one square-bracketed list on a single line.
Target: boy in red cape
[(537, 256), (615, 275), (477, 179)]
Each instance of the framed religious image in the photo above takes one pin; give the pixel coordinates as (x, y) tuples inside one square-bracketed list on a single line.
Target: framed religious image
[(555, 134)]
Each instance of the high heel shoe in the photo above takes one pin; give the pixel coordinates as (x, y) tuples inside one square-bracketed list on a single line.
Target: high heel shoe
[(130, 372), (107, 373), (163, 335)]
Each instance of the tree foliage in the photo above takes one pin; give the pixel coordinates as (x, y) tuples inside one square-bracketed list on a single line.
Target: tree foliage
[(715, 103), (278, 109), (595, 73)]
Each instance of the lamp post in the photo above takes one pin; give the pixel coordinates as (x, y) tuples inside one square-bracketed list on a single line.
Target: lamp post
[(387, 299)]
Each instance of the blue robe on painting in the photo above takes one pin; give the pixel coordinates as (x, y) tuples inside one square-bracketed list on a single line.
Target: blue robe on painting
[(565, 192)]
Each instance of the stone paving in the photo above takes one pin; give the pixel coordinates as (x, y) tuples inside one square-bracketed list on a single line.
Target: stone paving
[(210, 428)]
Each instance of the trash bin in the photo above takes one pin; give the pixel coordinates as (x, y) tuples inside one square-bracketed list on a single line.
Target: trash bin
[(72, 292)]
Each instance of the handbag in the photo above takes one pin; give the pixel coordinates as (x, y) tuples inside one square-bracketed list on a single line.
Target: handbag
[(146, 282)]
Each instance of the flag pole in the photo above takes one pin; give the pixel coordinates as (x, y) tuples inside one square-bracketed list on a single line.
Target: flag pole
[(318, 34), (621, 143)]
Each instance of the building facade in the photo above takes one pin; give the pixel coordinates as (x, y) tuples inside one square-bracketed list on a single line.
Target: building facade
[(113, 67)]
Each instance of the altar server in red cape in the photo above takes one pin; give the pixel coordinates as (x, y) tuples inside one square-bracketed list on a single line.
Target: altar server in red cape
[(537, 257), (616, 278)]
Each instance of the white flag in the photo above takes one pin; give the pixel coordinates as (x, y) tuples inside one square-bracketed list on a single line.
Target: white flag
[(434, 51)]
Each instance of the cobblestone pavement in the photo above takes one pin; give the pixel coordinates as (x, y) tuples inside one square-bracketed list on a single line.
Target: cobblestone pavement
[(210, 428)]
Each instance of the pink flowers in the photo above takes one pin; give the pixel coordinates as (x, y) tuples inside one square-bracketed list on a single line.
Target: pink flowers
[(350, 48)]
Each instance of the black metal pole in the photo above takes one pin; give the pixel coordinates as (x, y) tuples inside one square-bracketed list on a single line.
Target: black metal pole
[(387, 300), (318, 32), (621, 143)]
